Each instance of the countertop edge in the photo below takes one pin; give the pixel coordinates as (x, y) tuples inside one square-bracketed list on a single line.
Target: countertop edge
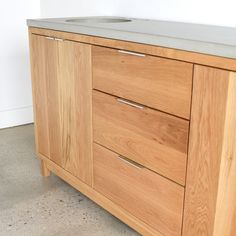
[(213, 49)]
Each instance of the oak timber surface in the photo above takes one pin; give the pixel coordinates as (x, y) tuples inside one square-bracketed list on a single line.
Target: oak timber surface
[(210, 187), (150, 197), (225, 218), (156, 82), (62, 107), (210, 94), (149, 137)]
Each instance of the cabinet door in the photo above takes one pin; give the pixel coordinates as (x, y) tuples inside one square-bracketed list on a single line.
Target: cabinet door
[(61, 77)]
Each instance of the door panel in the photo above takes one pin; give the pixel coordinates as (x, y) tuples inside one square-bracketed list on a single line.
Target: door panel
[(62, 86), (74, 104), (41, 50)]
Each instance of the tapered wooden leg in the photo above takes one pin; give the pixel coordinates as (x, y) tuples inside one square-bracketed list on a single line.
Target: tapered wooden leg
[(44, 170)]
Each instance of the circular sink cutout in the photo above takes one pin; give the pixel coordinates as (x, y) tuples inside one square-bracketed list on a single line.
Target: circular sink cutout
[(99, 20)]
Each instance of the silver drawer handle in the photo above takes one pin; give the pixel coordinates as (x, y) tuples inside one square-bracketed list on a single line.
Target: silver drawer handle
[(58, 39), (130, 162), (132, 53), (133, 104), (50, 38)]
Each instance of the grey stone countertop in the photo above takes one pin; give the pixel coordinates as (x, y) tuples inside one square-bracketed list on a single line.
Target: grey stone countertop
[(206, 39)]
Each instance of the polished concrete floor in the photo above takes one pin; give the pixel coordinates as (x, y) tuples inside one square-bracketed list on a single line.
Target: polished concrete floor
[(31, 205)]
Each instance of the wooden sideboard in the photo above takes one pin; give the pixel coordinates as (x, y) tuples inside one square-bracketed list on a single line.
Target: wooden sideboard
[(148, 133)]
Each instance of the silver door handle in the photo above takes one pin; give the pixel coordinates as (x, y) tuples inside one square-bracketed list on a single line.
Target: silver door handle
[(59, 39), (133, 104), (132, 53), (50, 38), (130, 162)]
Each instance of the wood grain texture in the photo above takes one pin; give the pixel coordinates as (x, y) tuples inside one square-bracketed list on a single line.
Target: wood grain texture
[(122, 214), (210, 207), (156, 82), (210, 93), (63, 103), (52, 96), (149, 137), (38, 60), (75, 108), (225, 218), (197, 58), (151, 198)]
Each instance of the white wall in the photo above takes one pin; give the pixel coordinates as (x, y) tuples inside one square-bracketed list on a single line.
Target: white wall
[(216, 12), (15, 85)]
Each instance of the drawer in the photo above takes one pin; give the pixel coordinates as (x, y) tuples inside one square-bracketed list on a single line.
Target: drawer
[(148, 196), (160, 83), (152, 138)]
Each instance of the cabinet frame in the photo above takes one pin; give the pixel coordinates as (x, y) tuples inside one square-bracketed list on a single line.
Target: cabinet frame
[(215, 169)]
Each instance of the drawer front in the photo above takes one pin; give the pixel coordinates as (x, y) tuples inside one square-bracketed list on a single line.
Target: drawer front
[(150, 197), (149, 137), (160, 83)]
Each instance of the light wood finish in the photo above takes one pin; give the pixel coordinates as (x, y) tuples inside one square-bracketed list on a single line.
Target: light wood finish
[(75, 108), (193, 57), (211, 166), (146, 195), (225, 218), (44, 169), (151, 138), (156, 82), (41, 53), (62, 96), (119, 212)]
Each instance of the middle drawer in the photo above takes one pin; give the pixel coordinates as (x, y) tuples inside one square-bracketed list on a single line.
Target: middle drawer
[(154, 139)]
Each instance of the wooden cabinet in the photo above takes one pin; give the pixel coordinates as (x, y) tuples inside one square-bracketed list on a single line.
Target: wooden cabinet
[(61, 74), (146, 132)]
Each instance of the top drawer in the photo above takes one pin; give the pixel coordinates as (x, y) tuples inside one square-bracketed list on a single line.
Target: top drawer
[(155, 82)]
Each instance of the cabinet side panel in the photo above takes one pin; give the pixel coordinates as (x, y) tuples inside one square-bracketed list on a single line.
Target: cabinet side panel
[(225, 220), (38, 76), (75, 105), (210, 87)]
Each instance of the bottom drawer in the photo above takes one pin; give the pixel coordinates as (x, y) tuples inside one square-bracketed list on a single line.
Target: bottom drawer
[(148, 196)]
